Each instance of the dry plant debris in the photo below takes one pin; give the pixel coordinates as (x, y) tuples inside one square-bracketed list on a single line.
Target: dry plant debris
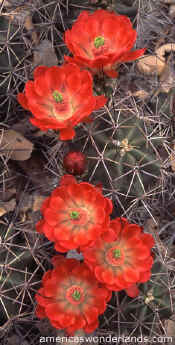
[(5, 3), (31, 202), (15, 146), (172, 11), (167, 79), (172, 158), (156, 63), (142, 94), (165, 48), (151, 64), (170, 327), (169, 1), (159, 65), (44, 54), (7, 206)]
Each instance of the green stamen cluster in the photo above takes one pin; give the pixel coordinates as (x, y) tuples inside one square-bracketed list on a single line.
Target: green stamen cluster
[(76, 295), (74, 215), (116, 253), (99, 41), (57, 96)]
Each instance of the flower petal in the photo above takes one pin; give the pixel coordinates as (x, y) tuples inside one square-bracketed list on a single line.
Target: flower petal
[(100, 101), (40, 312), (130, 56), (67, 179), (54, 312), (91, 315), (131, 275), (67, 133), (22, 99)]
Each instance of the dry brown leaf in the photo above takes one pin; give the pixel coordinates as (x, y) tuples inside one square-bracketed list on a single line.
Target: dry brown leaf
[(15, 146), (32, 202), (34, 168), (28, 24), (167, 79), (6, 195), (37, 202), (151, 64), (24, 127), (5, 3), (142, 94), (172, 158), (45, 55), (169, 1), (170, 327), (172, 10), (7, 207), (166, 48)]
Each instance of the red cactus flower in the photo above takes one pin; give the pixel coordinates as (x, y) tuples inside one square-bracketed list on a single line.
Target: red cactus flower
[(121, 257), (102, 40), (75, 214), (75, 163), (71, 297), (59, 98)]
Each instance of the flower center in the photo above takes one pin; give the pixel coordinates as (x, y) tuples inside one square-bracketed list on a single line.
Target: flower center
[(74, 215), (99, 41), (75, 294), (117, 253), (57, 96), (115, 256)]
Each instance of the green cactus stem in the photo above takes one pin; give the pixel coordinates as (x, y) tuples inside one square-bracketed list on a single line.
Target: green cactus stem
[(130, 156)]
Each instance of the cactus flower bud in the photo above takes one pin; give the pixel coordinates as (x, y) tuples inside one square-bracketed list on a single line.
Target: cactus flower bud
[(75, 163)]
